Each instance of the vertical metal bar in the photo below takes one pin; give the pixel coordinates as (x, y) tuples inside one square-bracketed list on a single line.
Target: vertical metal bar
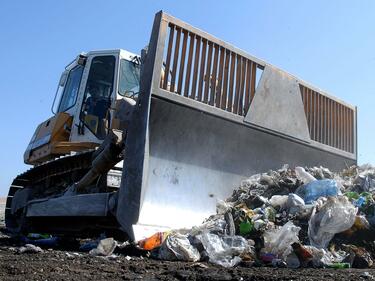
[(316, 116), (182, 62), (188, 69), (307, 97), (313, 115), (322, 114), (329, 112), (253, 80), (332, 124), (321, 118), (175, 59), (355, 133), (351, 131), (308, 93), (318, 113), (342, 126), (334, 111), (242, 88), (225, 82), (338, 126), (307, 110), (348, 128), (231, 82), (238, 81), (348, 120), (304, 101), (335, 124), (207, 76), (220, 79), (326, 119), (168, 60), (196, 67), (213, 77), (345, 128), (201, 74), (317, 97), (247, 90), (159, 55)]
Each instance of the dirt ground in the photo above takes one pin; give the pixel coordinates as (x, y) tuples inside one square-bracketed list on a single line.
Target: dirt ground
[(69, 264)]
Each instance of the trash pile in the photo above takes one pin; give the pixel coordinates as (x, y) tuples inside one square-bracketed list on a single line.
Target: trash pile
[(286, 218)]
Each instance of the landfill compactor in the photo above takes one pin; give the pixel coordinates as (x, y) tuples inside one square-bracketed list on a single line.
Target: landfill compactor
[(141, 144)]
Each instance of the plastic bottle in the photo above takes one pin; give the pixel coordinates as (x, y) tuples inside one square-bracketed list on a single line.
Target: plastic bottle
[(246, 227), (360, 202), (154, 241), (339, 265), (319, 188)]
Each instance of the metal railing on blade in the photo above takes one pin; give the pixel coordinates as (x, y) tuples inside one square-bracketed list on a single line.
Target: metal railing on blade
[(196, 65), (207, 70), (330, 122)]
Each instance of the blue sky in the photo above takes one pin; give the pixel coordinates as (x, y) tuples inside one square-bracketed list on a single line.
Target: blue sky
[(330, 44)]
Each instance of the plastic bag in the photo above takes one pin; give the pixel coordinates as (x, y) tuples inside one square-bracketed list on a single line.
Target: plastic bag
[(294, 203), (278, 200), (29, 248), (224, 250), (324, 258), (222, 207), (278, 242), (320, 257), (321, 173), (177, 247), (303, 175), (319, 188), (334, 216), (216, 224)]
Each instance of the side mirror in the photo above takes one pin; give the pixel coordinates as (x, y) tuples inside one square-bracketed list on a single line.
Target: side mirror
[(81, 59)]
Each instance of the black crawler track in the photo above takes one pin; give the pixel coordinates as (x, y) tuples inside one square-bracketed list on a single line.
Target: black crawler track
[(42, 176)]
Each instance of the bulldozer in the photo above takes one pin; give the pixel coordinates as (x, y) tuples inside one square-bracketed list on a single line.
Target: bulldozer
[(139, 144)]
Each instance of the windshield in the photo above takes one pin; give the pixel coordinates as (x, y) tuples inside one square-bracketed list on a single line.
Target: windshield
[(129, 78)]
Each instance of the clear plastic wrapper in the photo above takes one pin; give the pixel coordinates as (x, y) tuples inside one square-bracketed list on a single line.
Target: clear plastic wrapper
[(334, 216)]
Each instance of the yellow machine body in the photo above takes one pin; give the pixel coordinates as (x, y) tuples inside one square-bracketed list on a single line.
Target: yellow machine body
[(51, 139)]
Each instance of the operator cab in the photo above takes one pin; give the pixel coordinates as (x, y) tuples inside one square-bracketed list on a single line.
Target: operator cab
[(94, 82), (89, 90)]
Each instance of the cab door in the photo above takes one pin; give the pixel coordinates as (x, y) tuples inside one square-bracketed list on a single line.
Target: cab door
[(92, 118)]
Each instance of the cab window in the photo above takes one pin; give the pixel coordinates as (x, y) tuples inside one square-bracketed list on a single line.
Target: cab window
[(129, 78), (97, 99), (71, 88)]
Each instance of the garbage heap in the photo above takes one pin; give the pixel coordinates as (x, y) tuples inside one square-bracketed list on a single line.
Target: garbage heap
[(302, 217)]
